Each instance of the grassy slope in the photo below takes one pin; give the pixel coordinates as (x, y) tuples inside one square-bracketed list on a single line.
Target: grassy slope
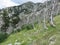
[(37, 36)]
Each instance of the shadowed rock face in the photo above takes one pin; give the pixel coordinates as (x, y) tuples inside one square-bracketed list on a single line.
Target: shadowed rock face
[(12, 18)]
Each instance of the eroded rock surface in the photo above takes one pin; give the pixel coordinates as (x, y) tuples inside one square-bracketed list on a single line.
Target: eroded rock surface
[(13, 18)]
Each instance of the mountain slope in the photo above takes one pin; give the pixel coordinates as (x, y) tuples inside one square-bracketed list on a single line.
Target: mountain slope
[(36, 36), (13, 18)]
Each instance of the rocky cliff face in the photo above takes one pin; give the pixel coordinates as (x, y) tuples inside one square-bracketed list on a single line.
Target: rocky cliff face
[(13, 18)]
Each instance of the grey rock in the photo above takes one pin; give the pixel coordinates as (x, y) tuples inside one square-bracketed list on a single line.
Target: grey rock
[(13, 18)]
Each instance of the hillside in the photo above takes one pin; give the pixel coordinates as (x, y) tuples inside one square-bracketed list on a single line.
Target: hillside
[(31, 24), (37, 36), (13, 18)]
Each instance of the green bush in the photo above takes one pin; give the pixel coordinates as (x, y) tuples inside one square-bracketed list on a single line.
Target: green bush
[(3, 37), (27, 26)]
